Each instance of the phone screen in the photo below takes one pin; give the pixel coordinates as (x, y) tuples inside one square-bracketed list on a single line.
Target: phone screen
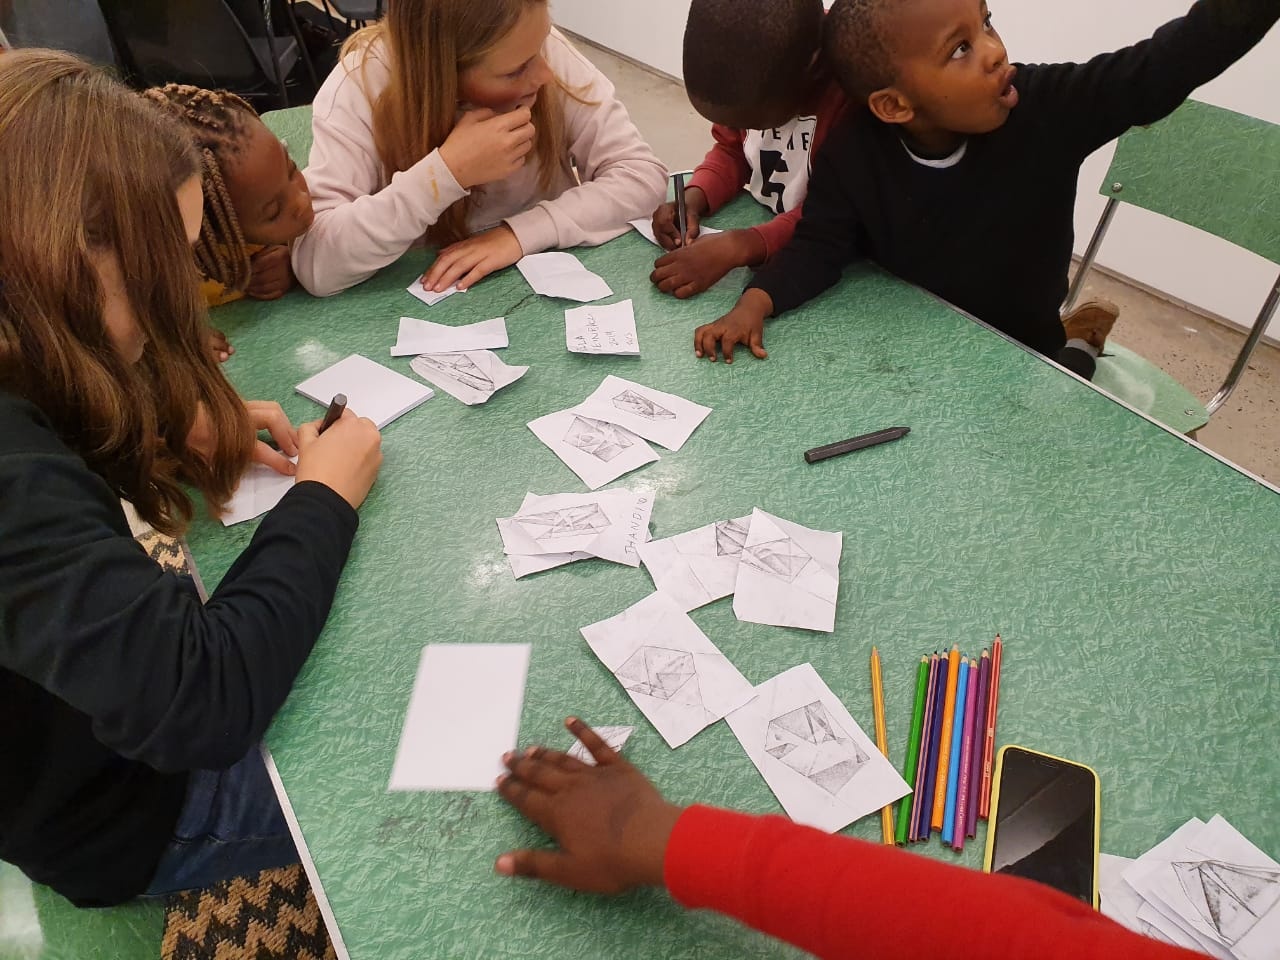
[(1044, 827)]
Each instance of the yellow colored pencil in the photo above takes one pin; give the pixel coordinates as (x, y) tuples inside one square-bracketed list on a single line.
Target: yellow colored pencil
[(882, 739), (944, 745)]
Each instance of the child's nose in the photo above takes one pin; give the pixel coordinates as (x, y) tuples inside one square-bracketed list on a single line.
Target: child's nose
[(541, 73), (995, 54)]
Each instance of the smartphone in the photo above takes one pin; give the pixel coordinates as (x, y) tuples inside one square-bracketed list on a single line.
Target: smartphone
[(1045, 815)]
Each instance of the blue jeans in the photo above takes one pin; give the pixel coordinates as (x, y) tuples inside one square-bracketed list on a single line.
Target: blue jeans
[(230, 826)]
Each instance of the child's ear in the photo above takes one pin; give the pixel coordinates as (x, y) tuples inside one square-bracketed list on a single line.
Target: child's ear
[(889, 104)]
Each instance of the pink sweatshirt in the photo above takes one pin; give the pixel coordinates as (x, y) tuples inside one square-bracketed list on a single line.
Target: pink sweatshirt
[(365, 220)]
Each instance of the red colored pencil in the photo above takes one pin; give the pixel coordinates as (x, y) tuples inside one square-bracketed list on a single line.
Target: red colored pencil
[(989, 740)]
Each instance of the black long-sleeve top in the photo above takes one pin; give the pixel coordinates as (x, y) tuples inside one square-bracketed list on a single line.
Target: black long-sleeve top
[(993, 233), (115, 680)]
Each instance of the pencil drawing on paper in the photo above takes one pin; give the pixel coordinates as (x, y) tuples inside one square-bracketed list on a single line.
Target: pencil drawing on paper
[(1231, 898), (461, 368), (812, 744), (782, 558), (731, 536), (566, 522), (662, 673), (602, 440), (629, 401)]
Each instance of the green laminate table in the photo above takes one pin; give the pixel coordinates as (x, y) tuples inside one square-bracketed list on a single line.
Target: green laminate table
[(1133, 577)]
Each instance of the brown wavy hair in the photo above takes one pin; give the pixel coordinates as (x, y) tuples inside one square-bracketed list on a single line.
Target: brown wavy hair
[(426, 44), (87, 166)]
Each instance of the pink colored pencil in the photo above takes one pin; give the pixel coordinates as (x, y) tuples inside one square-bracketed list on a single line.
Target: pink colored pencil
[(966, 758), (923, 761), (975, 779)]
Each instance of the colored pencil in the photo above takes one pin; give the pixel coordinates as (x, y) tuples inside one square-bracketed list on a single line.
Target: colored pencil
[(989, 737), (882, 739), (922, 761), (913, 749), (944, 744), (966, 759), (935, 742), (953, 768), (979, 735)]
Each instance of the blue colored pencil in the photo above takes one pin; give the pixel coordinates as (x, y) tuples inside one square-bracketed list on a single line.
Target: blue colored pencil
[(935, 740), (953, 767), (922, 755)]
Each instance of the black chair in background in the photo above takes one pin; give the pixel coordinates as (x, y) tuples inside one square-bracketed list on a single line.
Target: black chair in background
[(72, 25), (204, 42), (358, 12)]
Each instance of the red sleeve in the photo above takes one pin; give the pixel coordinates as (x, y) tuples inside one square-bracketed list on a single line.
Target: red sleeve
[(837, 897), (724, 169)]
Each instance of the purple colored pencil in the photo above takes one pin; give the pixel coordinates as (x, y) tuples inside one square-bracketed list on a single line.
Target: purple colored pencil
[(966, 759), (922, 758), (984, 689), (935, 743)]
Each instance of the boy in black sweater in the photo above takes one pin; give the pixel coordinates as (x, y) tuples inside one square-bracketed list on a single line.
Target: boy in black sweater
[(960, 174)]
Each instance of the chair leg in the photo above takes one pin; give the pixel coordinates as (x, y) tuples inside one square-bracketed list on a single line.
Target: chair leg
[(303, 52), (1250, 344), (1090, 253)]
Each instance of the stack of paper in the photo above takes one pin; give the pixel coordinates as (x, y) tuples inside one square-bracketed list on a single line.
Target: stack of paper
[(550, 531), (1205, 888), (604, 436), (372, 390)]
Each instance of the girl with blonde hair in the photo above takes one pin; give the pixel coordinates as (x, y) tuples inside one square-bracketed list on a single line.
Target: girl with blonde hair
[(476, 127), (129, 710)]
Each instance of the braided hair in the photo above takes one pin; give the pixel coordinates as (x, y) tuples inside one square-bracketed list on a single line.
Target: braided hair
[(218, 121)]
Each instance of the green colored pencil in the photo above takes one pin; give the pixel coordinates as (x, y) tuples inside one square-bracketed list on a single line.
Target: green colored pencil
[(913, 748)]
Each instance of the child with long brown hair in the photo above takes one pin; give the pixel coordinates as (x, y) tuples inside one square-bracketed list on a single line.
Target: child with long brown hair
[(129, 710), (474, 126), (256, 202)]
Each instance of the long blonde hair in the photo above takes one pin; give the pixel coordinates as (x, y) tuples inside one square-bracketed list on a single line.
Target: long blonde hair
[(87, 166), (427, 43)]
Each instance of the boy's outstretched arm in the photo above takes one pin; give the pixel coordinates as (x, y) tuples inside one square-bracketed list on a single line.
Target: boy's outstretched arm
[(1093, 103)]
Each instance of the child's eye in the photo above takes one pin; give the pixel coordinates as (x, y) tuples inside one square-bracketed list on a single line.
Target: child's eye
[(960, 52)]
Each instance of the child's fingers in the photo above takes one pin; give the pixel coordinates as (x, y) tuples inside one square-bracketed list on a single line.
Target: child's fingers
[(757, 344), (727, 342), (601, 752), (477, 273), (685, 291), (538, 767), (533, 804), (277, 461), (537, 864)]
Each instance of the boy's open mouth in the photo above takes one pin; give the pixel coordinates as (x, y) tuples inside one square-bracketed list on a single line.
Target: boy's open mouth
[(1008, 96)]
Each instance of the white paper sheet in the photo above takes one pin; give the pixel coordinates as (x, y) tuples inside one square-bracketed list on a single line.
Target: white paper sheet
[(699, 566), (562, 275), (1118, 900), (422, 336), (615, 737), (372, 390), (522, 566), (789, 575), (428, 297), (664, 418), (645, 229), (608, 328), (464, 714), (677, 677), (596, 451), (824, 770), (261, 488), (610, 524), (472, 376)]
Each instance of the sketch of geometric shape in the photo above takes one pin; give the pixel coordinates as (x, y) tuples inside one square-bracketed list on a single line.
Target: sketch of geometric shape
[(731, 537), (460, 368), (629, 401), (604, 441), (567, 522), (1231, 898), (658, 672), (810, 742), (783, 558)]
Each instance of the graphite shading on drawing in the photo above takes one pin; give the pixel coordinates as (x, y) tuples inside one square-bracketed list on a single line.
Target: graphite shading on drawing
[(566, 522), (628, 401), (1231, 898), (810, 742), (602, 440)]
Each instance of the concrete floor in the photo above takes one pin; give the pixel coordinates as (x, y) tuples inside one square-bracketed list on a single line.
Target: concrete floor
[(1193, 348)]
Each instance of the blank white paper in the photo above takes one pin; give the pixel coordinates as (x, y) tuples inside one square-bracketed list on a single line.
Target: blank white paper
[(562, 275), (606, 329), (464, 714), (596, 451), (261, 488), (664, 418), (422, 336), (428, 297), (372, 390)]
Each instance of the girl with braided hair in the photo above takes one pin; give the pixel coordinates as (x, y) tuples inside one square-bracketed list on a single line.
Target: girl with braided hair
[(256, 201)]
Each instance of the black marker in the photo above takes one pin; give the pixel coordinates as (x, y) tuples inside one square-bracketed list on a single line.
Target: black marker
[(682, 214), (856, 443), (336, 406)]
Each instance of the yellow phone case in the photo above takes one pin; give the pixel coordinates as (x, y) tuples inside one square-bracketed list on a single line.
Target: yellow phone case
[(995, 807)]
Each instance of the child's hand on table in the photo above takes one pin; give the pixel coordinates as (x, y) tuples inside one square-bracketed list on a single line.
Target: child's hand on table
[(271, 274), (346, 459), (263, 415), (744, 325), (698, 266), (610, 823), (220, 346), (664, 219), (471, 260)]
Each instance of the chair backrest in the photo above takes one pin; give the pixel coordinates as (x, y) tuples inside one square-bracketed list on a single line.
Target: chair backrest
[(72, 25), (198, 41), (1210, 168)]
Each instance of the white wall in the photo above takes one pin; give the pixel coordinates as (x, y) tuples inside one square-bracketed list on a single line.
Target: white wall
[(1178, 260)]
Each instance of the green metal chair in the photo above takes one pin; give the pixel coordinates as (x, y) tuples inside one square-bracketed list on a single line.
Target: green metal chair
[(1212, 169)]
